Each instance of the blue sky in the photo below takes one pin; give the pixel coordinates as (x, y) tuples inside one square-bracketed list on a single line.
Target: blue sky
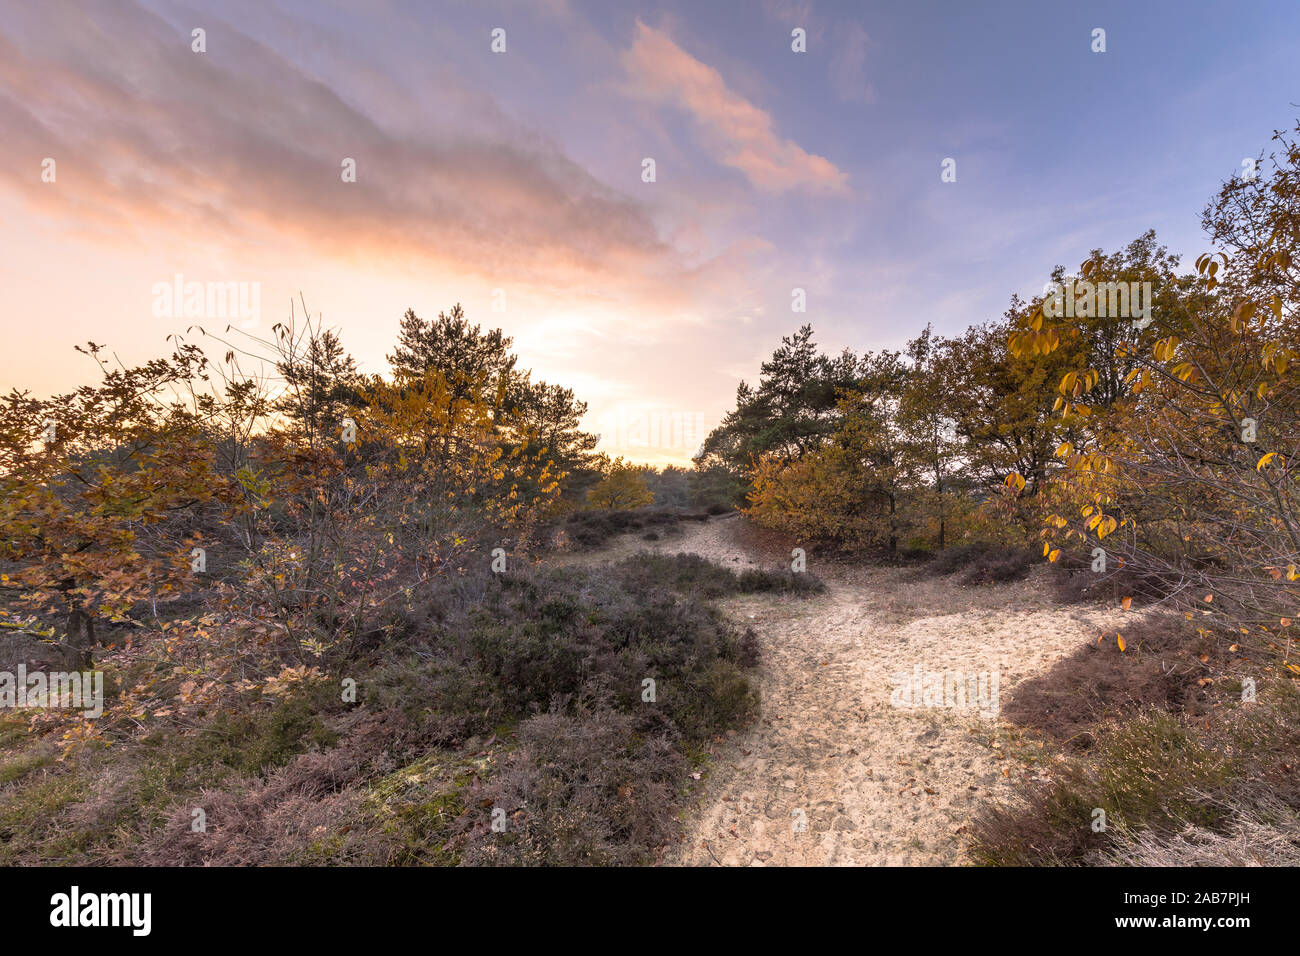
[(521, 171)]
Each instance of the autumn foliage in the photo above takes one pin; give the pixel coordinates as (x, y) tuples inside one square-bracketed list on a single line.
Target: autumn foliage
[(187, 519), (1154, 448)]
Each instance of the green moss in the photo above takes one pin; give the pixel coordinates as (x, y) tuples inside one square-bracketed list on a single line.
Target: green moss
[(249, 742), (22, 765), (13, 730), (26, 813), (415, 808)]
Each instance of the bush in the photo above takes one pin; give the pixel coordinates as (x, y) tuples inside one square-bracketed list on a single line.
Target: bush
[(593, 529), (983, 563), (559, 658), (696, 576), (587, 789), (1157, 737), (526, 690), (1161, 668)]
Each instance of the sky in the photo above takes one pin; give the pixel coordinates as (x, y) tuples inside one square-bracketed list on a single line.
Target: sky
[(507, 171)]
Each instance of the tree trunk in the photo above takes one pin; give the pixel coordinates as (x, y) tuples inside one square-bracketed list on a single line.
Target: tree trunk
[(893, 536), (943, 518), (81, 633)]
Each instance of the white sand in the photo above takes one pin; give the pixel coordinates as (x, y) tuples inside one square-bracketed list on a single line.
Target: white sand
[(875, 783)]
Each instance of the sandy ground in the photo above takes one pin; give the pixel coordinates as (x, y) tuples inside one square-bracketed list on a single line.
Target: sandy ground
[(835, 772)]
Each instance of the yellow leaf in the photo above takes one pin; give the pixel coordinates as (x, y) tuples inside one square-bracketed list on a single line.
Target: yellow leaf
[(1126, 603), (1265, 460), (1056, 553), (1119, 639)]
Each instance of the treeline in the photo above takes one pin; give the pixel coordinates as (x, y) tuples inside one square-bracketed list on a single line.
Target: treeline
[(1134, 420)]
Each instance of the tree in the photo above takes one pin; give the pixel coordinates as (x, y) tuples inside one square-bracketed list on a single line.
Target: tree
[(477, 365), (621, 487), (1001, 400), (856, 485), (1187, 478), (793, 408), (928, 430), (467, 357), (321, 382), (95, 486), (670, 485)]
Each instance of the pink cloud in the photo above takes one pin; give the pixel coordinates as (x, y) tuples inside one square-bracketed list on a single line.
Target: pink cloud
[(736, 131), (247, 144)]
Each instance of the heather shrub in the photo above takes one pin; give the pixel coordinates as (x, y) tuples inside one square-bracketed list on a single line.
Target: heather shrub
[(983, 563), (1159, 738), (585, 530), (699, 577), (590, 788)]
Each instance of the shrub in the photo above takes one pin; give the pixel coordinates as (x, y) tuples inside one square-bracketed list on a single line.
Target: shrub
[(699, 577), (1162, 667), (586, 789), (593, 529), (983, 563), (1158, 738)]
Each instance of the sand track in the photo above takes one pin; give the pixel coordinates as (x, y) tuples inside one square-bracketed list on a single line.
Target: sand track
[(833, 773)]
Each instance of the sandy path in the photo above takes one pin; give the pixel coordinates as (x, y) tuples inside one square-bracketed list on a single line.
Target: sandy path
[(833, 773)]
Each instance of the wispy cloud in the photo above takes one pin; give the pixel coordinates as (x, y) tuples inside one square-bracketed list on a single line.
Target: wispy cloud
[(242, 139), (849, 66), (736, 132)]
